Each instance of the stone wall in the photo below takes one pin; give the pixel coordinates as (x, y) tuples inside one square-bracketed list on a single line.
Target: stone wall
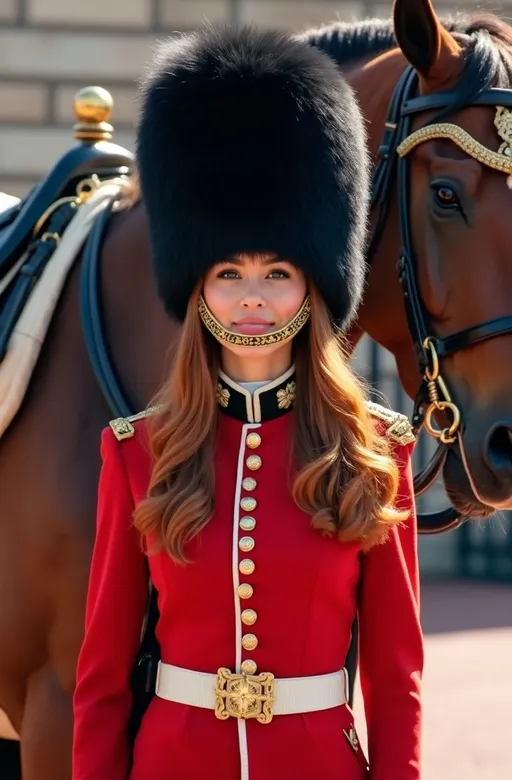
[(51, 48)]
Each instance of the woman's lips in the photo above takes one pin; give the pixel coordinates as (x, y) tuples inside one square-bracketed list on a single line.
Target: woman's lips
[(253, 326)]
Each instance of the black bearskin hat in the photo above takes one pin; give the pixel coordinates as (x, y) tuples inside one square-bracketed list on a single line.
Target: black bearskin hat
[(251, 141)]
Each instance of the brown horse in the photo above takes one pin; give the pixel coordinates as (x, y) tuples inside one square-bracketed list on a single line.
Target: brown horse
[(49, 458), (455, 215)]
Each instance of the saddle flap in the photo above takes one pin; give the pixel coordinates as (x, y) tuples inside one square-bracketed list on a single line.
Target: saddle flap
[(105, 160)]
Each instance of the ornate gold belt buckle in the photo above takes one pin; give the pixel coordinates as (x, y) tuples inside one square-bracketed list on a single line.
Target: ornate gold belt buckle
[(244, 696)]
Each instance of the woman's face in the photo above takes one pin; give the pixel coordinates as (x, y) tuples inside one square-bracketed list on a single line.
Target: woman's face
[(254, 295)]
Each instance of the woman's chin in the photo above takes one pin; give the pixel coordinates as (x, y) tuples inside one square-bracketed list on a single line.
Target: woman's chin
[(255, 353)]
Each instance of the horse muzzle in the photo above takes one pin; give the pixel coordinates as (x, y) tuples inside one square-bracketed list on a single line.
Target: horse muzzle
[(485, 448)]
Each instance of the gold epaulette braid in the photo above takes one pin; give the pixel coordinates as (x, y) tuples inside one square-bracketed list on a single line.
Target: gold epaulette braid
[(399, 428), (122, 426)]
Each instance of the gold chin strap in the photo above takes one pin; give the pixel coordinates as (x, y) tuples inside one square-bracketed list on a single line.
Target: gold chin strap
[(499, 161), (275, 337)]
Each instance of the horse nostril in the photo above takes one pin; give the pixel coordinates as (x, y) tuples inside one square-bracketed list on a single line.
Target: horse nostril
[(498, 449)]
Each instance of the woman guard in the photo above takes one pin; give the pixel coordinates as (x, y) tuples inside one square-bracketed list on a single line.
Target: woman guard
[(269, 500)]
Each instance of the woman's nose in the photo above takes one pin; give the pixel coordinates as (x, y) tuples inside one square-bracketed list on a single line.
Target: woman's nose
[(253, 297)]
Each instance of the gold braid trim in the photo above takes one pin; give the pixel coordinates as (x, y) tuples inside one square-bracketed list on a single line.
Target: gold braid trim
[(122, 426), (466, 142), (275, 337), (399, 428)]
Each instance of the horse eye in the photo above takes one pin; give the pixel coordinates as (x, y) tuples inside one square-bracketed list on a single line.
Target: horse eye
[(446, 197)]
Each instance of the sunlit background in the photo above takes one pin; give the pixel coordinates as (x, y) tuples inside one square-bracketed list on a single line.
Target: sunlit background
[(51, 48)]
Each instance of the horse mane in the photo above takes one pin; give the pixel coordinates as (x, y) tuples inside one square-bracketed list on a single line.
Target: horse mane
[(488, 53), (346, 42)]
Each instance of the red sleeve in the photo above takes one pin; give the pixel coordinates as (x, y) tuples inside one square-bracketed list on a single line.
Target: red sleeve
[(116, 605), (391, 644)]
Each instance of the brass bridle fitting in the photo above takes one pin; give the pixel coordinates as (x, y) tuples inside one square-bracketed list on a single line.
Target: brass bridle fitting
[(440, 399)]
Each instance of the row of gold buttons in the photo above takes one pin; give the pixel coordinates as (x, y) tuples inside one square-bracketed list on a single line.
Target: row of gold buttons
[(246, 544)]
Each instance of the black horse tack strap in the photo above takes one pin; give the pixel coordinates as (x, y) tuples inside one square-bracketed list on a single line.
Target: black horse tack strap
[(38, 254), (392, 169), (92, 318), (474, 335)]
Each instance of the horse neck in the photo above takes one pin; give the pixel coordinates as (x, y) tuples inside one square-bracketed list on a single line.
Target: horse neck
[(385, 70), (382, 314), (378, 314), (139, 334)]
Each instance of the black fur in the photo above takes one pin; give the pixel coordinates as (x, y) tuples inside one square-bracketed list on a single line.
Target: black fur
[(251, 141)]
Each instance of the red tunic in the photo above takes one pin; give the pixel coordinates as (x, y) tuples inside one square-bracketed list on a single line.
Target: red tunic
[(306, 590)]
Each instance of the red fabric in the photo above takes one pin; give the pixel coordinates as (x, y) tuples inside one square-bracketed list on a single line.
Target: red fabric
[(305, 595)]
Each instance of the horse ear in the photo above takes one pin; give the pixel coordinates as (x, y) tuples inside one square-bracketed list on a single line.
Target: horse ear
[(424, 41)]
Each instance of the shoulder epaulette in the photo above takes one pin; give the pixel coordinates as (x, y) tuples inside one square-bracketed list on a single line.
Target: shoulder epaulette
[(399, 429), (123, 427)]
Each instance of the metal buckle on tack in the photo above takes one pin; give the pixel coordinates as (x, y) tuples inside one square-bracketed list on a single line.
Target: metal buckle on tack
[(436, 383), (244, 696)]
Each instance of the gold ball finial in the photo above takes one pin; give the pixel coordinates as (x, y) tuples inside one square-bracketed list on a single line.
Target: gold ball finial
[(93, 108), (93, 105)]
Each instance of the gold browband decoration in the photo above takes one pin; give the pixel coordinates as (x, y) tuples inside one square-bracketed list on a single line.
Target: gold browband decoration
[(503, 124), (499, 161), (275, 337)]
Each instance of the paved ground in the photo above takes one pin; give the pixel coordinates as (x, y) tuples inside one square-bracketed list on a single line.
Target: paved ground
[(467, 682)]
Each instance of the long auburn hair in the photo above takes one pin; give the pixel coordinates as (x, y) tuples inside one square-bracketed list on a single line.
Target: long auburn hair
[(346, 477)]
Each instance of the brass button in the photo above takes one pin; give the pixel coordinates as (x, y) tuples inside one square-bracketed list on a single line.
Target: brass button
[(253, 440), (253, 462), (247, 523), (245, 590), (249, 617), (248, 503), (249, 666), (246, 566), (249, 642), (249, 484), (246, 543)]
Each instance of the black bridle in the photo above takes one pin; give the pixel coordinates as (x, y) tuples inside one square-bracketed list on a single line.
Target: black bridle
[(433, 394)]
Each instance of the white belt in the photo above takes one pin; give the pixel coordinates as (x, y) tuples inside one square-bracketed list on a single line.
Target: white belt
[(251, 696)]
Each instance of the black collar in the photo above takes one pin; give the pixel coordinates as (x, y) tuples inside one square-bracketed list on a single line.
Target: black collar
[(266, 403)]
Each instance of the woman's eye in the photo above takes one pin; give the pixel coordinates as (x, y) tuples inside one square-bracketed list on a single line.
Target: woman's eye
[(234, 274)]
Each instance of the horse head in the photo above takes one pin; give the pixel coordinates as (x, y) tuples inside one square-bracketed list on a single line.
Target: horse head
[(441, 173)]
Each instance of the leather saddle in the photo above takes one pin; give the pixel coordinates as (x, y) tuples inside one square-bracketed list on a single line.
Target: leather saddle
[(31, 229)]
